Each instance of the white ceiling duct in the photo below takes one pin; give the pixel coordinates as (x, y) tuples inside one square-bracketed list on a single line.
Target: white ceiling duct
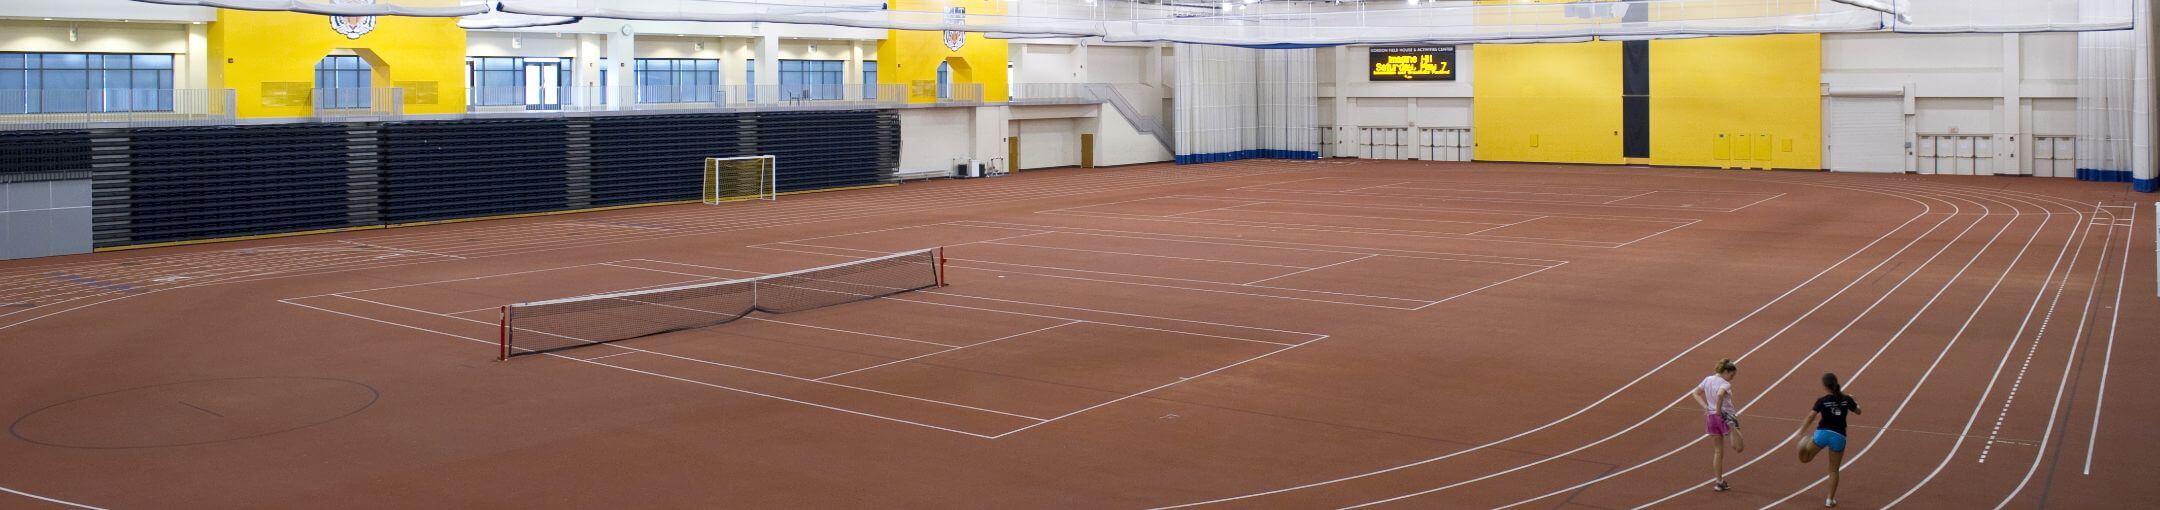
[(1283, 23)]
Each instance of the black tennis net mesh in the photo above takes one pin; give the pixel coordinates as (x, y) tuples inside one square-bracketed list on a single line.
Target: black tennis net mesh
[(568, 323)]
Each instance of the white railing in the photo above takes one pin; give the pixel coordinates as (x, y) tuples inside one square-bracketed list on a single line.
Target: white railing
[(345, 103), (73, 109), (1104, 93)]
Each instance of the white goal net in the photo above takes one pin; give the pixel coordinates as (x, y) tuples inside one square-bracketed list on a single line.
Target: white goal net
[(741, 178)]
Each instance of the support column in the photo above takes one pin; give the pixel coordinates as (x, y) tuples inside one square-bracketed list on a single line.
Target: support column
[(194, 73), (768, 68), (585, 73), (1080, 60), (2011, 136), (2144, 130), (622, 59), (852, 73)]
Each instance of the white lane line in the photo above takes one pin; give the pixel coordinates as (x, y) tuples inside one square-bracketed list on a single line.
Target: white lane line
[(1925, 209), (2121, 278), (1924, 264), (2008, 350), (2063, 386), (1227, 207), (381, 247), (1944, 352), (1307, 270)]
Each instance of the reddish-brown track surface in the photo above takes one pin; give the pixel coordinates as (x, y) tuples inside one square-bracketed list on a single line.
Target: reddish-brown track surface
[(1243, 335)]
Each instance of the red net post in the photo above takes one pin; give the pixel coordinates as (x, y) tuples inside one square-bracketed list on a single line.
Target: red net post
[(505, 335), (941, 266)]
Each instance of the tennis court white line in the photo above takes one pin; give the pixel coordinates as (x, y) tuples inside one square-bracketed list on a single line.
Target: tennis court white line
[(357, 243), (704, 361), (482, 277), (664, 376), (1643, 194), (1029, 303), (1332, 229), (1389, 218), (913, 358), (1261, 243), (624, 353), (1638, 379), (1306, 270), (1498, 200), (1538, 185), (2107, 359), (1180, 381), (1060, 268), (1398, 207), (1743, 409), (1367, 187), (1491, 285), (1195, 289), (1401, 186), (1481, 231), (49, 500), (1223, 208), (1659, 233), (1287, 266), (1752, 204)]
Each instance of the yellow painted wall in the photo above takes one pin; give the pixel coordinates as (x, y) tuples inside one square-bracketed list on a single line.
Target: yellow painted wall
[(1746, 102), (254, 52), (909, 56), (1548, 102)]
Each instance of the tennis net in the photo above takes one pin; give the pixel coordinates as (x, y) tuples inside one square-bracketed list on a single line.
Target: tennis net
[(568, 323)]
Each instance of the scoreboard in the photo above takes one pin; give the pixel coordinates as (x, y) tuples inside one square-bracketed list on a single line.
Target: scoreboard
[(1412, 63)]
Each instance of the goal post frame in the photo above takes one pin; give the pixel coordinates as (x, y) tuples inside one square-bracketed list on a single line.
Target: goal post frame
[(720, 185)]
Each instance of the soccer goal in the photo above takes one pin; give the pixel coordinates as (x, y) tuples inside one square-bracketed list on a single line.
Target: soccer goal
[(741, 178)]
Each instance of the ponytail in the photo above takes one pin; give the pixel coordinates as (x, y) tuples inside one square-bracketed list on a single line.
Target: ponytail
[(1830, 382), (1726, 365)]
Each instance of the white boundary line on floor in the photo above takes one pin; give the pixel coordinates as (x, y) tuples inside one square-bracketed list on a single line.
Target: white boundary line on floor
[(2107, 359), (1429, 208), (1332, 229), (49, 500), (1258, 243), (2071, 360), (665, 376), (1422, 302), (1924, 264), (926, 355), (1624, 387)]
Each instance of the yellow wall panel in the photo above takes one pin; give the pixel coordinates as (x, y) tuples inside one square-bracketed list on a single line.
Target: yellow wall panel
[(1566, 97), (258, 54), (910, 57), (1761, 91)]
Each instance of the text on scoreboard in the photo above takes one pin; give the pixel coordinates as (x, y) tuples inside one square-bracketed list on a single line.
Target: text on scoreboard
[(1412, 63)]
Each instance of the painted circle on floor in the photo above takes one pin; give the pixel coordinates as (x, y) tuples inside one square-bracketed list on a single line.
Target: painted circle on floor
[(194, 412)]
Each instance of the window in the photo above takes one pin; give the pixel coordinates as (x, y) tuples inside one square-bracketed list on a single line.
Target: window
[(811, 79), (944, 80), (538, 83), (869, 79), (344, 81), (85, 82), (749, 80), (677, 80)]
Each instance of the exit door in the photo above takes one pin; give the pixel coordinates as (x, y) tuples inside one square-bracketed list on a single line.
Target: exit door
[(543, 85)]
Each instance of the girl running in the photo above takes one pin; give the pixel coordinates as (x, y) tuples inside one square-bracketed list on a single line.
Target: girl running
[(1715, 395), (1829, 431)]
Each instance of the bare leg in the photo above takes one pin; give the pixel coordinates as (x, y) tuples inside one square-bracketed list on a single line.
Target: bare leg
[(1837, 460), (1739, 444), (1717, 458), (1808, 450)]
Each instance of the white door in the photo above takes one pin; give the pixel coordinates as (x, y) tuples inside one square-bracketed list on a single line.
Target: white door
[(1867, 134)]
